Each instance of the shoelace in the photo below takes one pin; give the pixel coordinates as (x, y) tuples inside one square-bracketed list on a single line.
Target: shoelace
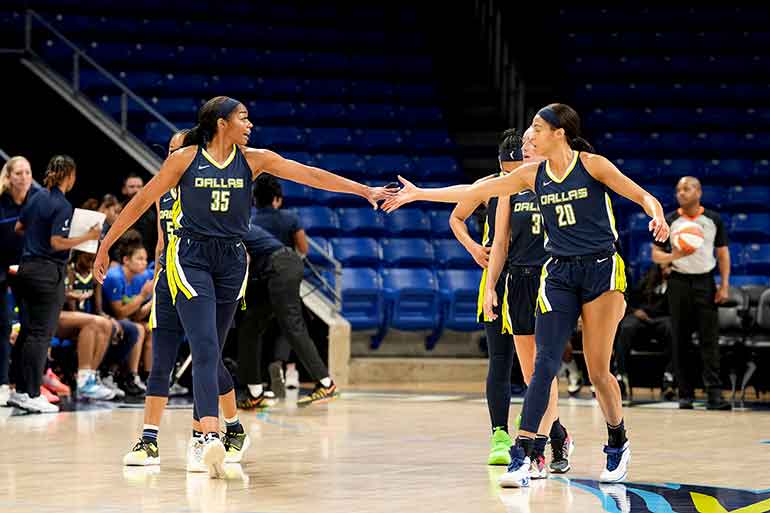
[(557, 449), (613, 457)]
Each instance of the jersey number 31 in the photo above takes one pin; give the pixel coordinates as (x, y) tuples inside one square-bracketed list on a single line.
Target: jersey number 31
[(220, 201)]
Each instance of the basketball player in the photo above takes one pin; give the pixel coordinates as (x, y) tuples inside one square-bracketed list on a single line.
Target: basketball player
[(584, 276), (168, 336), (519, 247), (206, 265)]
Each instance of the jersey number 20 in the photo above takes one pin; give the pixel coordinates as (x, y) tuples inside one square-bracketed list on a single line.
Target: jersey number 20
[(566, 215), (220, 201)]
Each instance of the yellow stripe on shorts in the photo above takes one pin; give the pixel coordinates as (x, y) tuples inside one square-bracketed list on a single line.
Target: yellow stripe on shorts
[(542, 299), (480, 306), (507, 324)]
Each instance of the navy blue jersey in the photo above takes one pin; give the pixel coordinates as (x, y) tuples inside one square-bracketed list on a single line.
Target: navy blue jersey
[(214, 200), (489, 225), (280, 223), (166, 217), (526, 246), (577, 211), (83, 284), (46, 214)]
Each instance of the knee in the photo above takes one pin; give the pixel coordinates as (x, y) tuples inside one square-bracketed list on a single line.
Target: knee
[(600, 377)]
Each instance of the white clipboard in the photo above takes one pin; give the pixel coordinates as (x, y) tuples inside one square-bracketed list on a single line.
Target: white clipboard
[(82, 221)]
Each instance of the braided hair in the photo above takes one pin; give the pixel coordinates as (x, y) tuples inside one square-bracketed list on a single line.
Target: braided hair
[(510, 145), (60, 167)]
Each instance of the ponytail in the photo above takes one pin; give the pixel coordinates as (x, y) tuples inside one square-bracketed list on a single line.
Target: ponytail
[(580, 144), (197, 135)]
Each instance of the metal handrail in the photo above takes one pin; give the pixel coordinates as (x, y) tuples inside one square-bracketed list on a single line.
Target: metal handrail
[(335, 290), (4, 156), (80, 54)]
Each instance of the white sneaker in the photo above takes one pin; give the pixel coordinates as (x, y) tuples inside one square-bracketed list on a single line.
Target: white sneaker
[(177, 390), (214, 457), (138, 382), (292, 376), (17, 399), (195, 456), (517, 475), (109, 382), (38, 404), (5, 393), (616, 469), (619, 494)]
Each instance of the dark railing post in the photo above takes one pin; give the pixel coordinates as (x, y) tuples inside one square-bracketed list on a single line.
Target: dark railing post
[(124, 112), (28, 31), (76, 72)]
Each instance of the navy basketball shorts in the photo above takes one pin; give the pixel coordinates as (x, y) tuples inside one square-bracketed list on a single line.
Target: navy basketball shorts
[(208, 268), (567, 283), (521, 287)]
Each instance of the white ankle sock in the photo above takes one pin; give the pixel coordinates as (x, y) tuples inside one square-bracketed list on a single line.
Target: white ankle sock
[(326, 382), (83, 375), (255, 390)]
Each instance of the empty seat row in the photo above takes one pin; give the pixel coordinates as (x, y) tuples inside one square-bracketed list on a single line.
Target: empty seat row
[(410, 299), (631, 144), (745, 259), (682, 117), (734, 199), (395, 252), (668, 65), (711, 171), (696, 93), (332, 139), (620, 40), (325, 222)]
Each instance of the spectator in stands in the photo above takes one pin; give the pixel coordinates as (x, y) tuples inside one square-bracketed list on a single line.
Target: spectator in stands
[(15, 189), (45, 223), (275, 274), (283, 225), (111, 207), (647, 317), (146, 225), (692, 294), (93, 332), (126, 292)]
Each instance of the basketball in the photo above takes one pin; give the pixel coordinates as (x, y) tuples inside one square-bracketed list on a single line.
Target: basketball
[(688, 237)]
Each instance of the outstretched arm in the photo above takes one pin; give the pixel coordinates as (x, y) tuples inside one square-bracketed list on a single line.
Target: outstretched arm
[(457, 219), (605, 171), (516, 181), (168, 176), (271, 162)]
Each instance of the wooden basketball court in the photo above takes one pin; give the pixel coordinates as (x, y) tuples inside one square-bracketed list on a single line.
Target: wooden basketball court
[(383, 452)]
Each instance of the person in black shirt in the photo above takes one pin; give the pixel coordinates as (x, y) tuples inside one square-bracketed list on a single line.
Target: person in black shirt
[(147, 223), (275, 274), (15, 189), (283, 225), (648, 317), (45, 223)]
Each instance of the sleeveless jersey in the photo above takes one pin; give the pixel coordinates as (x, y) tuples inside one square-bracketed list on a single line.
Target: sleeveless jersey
[(166, 219), (489, 224), (526, 247), (84, 284), (214, 200), (577, 211)]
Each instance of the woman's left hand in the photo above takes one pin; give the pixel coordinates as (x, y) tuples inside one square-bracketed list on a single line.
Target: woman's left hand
[(376, 194), (659, 228)]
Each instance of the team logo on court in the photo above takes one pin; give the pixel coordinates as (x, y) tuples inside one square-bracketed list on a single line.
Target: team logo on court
[(673, 498)]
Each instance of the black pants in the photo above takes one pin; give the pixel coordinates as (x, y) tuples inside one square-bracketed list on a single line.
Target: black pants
[(632, 330), (691, 300), (275, 293), (41, 287)]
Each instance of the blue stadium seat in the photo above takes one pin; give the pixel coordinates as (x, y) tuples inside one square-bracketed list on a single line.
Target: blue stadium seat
[(714, 197), (371, 89), (367, 114), (357, 251), (321, 112), (279, 87), (319, 221), (727, 171), (437, 168), (737, 257), (429, 140), (282, 137), (742, 280), (346, 164), (387, 166), (408, 222), (750, 227), (439, 225), (271, 112), (757, 259), (749, 198), (331, 89), (401, 252), (419, 115), (451, 254), (673, 170), (413, 298), (362, 221), (460, 292), (157, 133), (314, 255), (362, 298), (296, 194), (185, 108), (373, 140), (329, 139)]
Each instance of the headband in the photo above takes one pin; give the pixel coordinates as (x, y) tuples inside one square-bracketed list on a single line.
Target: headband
[(227, 107), (513, 155), (549, 115)]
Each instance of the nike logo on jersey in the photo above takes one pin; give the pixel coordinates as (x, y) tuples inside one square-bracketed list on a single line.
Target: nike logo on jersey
[(546, 184), (165, 200), (602, 260), (204, 167)]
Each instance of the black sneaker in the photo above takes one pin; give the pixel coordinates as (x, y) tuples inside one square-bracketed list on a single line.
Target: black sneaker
[(667, 389), (277, 379), (132, 386), (246, 401), (321, 394), (685, 403), (715, 401), (561, 449), (235, 446)]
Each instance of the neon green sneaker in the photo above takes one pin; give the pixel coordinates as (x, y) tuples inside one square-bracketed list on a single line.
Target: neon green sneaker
[(499, 448)]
